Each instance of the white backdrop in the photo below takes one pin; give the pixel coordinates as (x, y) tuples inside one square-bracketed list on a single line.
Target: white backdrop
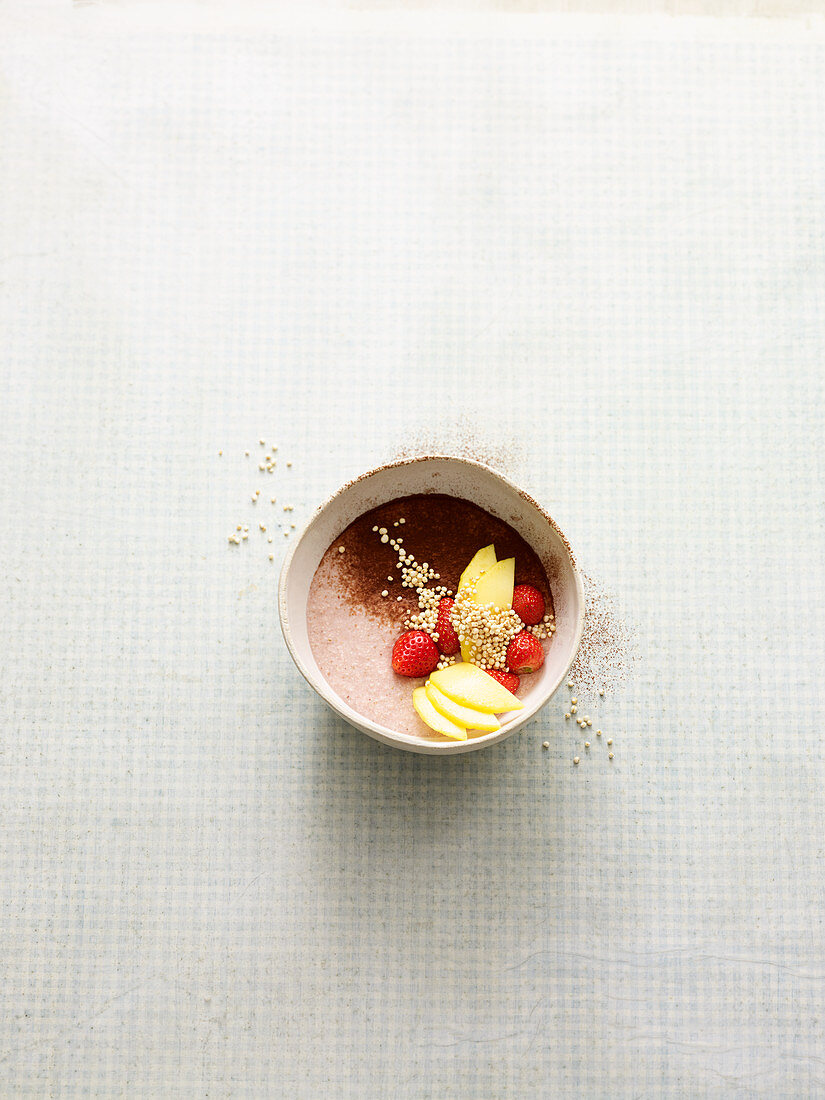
[(597, 250)]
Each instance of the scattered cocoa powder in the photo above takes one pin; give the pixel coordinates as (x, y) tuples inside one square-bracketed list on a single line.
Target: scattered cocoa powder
[(461, 438), (607, 651)]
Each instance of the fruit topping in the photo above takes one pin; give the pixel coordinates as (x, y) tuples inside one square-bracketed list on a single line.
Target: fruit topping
[(481, 561), (435, 719), (528, 604), (472, 687), (414, 654), (485, 627), (495, 585), (506, 679), (447, 638), (524, 653), (463, 716)]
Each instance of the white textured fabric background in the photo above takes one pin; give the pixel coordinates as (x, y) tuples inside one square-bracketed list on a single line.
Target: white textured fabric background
[(605, 253)]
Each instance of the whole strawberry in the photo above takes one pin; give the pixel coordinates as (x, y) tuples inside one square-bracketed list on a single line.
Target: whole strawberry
[(524, 653), (528, 604), (448, 641), (414, 654), (506, 679)]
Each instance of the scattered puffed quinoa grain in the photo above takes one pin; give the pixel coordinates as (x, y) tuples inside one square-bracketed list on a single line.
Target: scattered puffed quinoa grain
[(341, 549), (292, 525), (569, 683), (587, 744), (545, 744), (610, 740), (239, 528), (272, 557), (398, 598), (220, 452), (272, 500), (375, 528), (598, 733), (262, 527), (269, 539), (385, 538), (574, 699), (601, 691), (588, 722), (573, 710), (575, 759), (244, 536), (262, 442), (286, 534), (567, 715), (610, 756), (289, 463), (385, 593), (246, 453), (402, 520)]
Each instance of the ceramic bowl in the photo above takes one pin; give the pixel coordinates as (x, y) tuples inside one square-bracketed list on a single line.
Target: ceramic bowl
[(457, 477)]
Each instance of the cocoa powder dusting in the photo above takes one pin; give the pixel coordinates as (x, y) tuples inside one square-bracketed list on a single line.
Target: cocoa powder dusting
[(607, 651), (442, 530)]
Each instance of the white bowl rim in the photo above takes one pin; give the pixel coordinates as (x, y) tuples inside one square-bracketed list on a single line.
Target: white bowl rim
[(384, 734)]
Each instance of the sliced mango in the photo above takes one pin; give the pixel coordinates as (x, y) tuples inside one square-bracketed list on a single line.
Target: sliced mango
[(481, 560), (495, 585), (471, 687), (434, 719), (463, 716)]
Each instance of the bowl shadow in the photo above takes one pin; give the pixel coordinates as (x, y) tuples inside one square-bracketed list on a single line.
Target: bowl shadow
[(384, 811)]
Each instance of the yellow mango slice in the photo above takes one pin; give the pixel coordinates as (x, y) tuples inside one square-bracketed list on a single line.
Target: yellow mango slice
[(481, 560), (472, 687), (495, 585), (434, 719), (463, 716)]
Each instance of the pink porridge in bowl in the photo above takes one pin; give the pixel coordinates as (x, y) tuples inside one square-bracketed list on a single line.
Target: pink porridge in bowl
[(430, 616)]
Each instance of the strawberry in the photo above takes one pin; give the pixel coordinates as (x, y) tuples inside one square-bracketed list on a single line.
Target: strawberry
[(506, 679), (414, 654), (528, 604), (524, 653), (448, 641)]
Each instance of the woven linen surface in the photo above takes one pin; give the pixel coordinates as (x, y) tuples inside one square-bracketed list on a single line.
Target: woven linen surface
[(594, 257)]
